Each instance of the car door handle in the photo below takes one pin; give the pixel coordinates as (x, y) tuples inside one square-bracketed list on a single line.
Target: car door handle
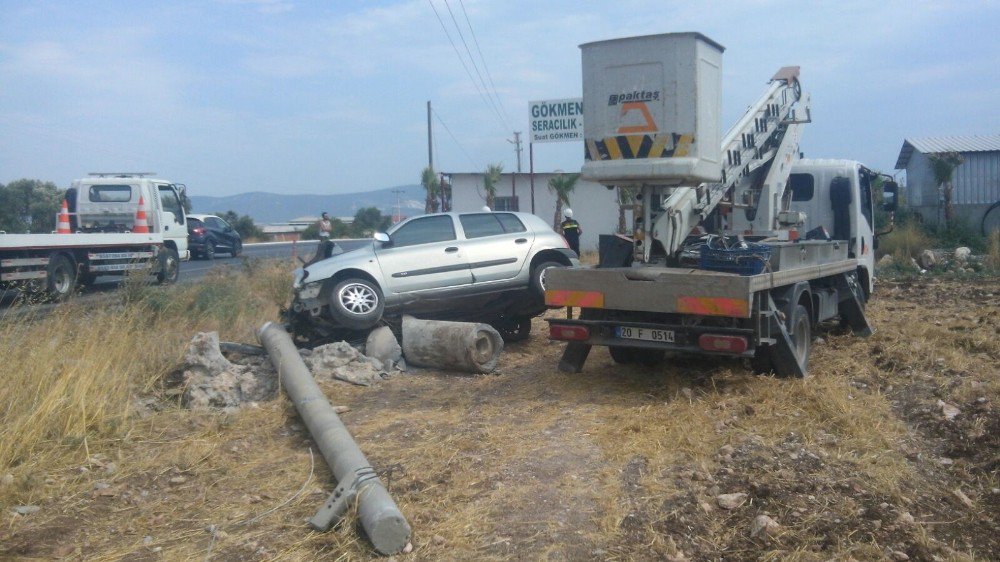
[(521, 241), (451, 249)]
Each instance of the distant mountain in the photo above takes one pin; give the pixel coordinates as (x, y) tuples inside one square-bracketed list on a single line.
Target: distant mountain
[(268, 208)]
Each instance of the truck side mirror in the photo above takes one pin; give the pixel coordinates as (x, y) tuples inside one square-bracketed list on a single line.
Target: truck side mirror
[(890, 196)]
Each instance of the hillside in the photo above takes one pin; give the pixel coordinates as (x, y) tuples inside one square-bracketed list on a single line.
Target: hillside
[(267, 208)]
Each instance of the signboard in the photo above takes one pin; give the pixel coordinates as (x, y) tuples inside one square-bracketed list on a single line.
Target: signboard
[(556, 120)]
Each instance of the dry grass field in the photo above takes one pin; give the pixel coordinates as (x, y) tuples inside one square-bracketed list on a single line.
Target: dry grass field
[(616, 463)]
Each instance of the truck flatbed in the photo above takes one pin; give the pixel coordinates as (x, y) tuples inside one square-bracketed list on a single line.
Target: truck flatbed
[(675, 289), (77, 240)]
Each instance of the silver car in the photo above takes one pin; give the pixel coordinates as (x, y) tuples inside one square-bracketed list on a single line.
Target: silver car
[(486, 267)]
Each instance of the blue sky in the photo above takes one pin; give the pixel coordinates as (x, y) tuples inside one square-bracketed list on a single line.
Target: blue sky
[(230, 96)]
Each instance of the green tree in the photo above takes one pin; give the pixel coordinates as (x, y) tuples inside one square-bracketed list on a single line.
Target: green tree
[(562, 185), (243, 224), (369, 220), (490, 182), (943, 169), (29, 206), (429, 180)]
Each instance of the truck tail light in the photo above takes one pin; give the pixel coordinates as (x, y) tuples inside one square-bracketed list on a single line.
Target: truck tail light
[(568, 333), (723, 344)]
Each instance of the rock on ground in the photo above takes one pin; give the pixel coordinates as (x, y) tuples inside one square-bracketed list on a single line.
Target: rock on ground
[(764, 527), (382, 345), (210, 380), (731, 501)]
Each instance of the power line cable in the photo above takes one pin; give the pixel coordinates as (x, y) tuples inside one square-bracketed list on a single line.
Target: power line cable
[(466, 67), (475, 41), (460, 147), (472, 59)]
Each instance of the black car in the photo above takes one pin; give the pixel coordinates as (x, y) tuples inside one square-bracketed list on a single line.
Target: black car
[(208, 235)]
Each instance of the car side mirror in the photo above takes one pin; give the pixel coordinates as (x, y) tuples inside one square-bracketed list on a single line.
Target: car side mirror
[(383, 238), (890, 196)]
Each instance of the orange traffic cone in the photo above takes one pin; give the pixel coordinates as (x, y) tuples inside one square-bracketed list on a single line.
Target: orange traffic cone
[(62, 224), (141, 225)]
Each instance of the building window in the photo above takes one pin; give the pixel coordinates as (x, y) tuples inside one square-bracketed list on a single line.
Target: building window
[(505, 204)]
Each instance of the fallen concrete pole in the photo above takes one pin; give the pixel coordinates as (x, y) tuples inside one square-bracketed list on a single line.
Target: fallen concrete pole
[(379, 515), (463, 346)]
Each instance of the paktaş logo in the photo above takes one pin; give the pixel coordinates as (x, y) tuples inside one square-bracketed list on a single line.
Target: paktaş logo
[(635, 95)]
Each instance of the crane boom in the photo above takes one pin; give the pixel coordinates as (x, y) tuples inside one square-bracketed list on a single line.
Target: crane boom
[(768, 133)]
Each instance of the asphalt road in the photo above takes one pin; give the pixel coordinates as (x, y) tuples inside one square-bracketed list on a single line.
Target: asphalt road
[(193, 271)]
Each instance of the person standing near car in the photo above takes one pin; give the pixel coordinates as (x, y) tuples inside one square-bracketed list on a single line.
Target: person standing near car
[(325, 226), (571, 230)]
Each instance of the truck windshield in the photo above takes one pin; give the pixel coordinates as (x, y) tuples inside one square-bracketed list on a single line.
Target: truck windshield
[(110, 193)]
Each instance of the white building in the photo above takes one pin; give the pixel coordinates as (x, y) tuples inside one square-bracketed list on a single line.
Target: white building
[(594, 206), (976, 181)]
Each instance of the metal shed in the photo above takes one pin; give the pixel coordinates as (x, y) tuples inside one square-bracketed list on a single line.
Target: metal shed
[(976, 181)]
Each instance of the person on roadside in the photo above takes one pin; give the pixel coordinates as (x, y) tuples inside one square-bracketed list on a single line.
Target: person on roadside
[(571, 230), (325, 226)]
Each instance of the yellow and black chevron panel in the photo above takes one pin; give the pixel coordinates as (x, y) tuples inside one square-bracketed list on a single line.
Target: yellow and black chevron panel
[(628, 147)]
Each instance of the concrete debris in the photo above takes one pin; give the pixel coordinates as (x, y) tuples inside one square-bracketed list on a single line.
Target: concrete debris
[(764, 527), (927, 259), (962, 253), (460, 346), (26, 509), (342, 362), (383, 346), (730, 501), (886, 260), (211, 381), (949, 411)]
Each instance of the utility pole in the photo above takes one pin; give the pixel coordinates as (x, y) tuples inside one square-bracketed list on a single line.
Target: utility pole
[(430, 139), (396, 218), (517, 148)]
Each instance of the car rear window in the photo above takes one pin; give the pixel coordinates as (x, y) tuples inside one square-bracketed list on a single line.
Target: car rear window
[(510, 222), (481, 224)]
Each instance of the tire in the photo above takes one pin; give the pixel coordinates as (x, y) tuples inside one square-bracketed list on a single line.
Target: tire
[(538, 275), (622, 355), (61, 278), (356, 304), (640, 355), (514, 329), (799, 327), (237, 249), (209, 252), (170, 267)]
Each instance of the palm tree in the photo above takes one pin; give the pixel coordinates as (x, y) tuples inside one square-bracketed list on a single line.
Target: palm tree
[(626, 201), (429, 180), (562, 185), (943, 169), (490, 181)]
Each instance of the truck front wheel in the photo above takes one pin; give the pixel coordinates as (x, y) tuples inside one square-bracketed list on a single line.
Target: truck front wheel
[(170, 267), (61, 278)]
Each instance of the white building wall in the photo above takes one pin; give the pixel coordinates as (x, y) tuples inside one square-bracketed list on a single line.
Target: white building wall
[(976, 186), (594, 206)]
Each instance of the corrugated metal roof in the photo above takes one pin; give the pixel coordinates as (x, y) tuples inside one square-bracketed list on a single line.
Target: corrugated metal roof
[(932, 145)]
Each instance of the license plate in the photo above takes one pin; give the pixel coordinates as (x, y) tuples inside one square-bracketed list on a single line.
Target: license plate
[(645, 334)]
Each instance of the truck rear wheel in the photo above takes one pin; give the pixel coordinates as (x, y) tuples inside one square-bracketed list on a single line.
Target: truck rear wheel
[(61, 277), (799, 327)]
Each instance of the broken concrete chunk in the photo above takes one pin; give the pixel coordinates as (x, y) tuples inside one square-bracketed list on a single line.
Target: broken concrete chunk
[(764, 527), (382, 345), (26, 509), (962, 253), (948, 410), (341, 361), (460, 346), (927, 259), (212, 381)]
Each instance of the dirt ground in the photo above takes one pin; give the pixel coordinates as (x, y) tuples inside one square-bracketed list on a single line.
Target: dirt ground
[(860, 461)]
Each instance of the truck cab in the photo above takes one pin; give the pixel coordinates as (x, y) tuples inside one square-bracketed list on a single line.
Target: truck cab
[(837, 195), (109, 202)]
